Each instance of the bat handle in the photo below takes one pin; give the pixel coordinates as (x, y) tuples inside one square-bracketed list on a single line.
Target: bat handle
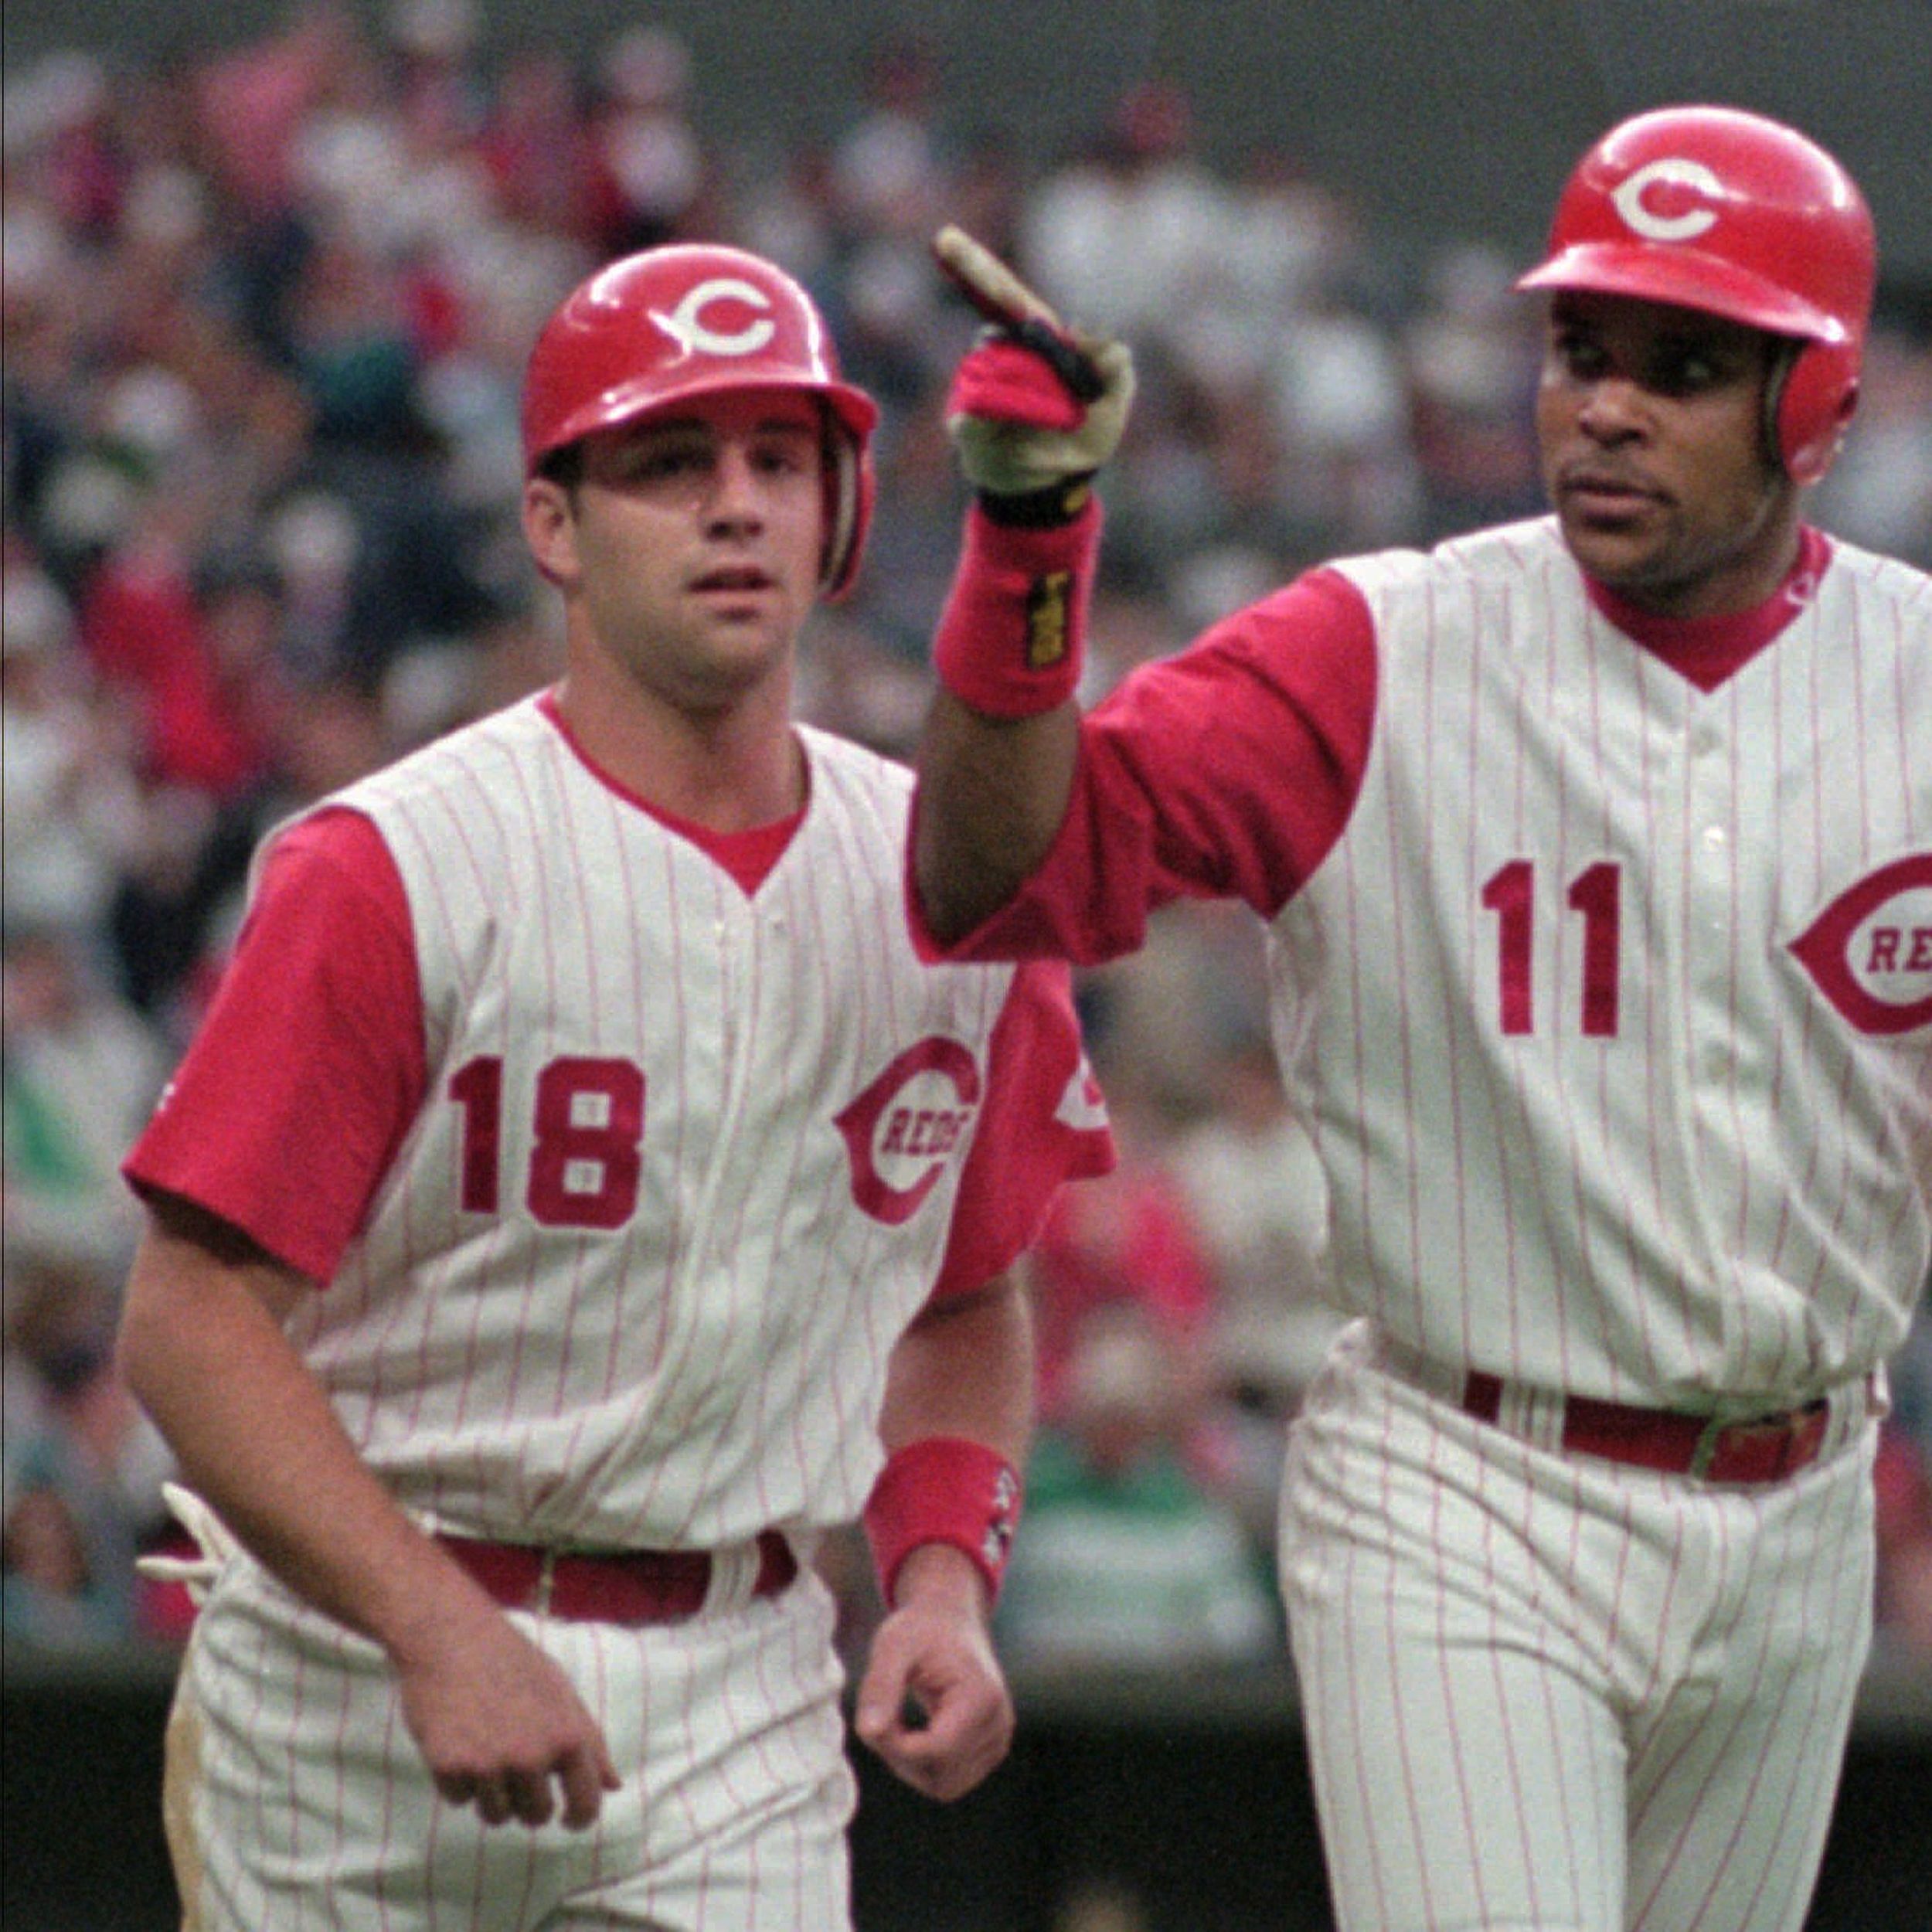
[(1071, 363)]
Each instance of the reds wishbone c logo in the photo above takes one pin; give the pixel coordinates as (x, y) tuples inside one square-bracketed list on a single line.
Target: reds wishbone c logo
[(1646, 216), (1870, 950), (902, 1131), (686, 326)]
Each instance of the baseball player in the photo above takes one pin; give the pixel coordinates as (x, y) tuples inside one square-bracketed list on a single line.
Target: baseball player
[(579, 1190), (1595, 857)]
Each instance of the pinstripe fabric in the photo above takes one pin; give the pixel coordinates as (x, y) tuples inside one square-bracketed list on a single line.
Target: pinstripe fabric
[(305, 1809), (1514, 1663), (709, 1367), (1602, 978), (1602, 1113), (686, 1167), (1704, 1197)]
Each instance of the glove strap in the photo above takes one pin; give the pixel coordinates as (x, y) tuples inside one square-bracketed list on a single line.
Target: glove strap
[(1012, 640), (1046, 509), (944, 1489)]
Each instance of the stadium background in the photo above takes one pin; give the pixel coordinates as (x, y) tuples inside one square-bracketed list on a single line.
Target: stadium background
[(1418, 142), (1495, 97)]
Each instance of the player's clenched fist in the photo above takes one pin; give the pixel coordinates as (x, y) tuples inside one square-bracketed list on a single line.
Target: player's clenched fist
[(933, 1703), (1035, 408)]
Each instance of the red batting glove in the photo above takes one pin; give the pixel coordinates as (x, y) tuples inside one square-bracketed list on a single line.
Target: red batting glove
[(1005, 381)]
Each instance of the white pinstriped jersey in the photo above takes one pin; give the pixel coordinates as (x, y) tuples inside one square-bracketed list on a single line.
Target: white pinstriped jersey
[(686, 1162), (1628, 1090)]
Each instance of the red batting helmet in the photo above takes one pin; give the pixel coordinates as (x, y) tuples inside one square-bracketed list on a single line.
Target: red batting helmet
[(660, 327), (1713, 209)]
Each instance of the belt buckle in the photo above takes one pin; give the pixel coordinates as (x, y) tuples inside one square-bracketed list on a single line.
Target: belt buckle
[(1790, 1427), (545, 1582)]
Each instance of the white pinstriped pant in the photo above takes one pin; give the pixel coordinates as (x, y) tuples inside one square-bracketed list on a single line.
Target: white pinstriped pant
[(1546, 1693), (297, 1802)]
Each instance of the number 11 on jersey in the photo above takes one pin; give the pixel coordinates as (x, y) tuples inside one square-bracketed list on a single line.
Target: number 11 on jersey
[(1595, 895)]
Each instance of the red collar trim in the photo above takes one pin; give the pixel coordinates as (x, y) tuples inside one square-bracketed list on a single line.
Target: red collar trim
[(748, 856), (1706, 650)]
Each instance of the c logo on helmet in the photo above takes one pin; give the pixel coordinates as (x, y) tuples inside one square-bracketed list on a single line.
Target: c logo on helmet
[(1870, 952), (686, 325), (904, 1129), (1670, 172)]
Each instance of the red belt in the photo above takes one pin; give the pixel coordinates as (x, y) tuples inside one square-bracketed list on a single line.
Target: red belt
[(1761, 1449), (631, 1587)]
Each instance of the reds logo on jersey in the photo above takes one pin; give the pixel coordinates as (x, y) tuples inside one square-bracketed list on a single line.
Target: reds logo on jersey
[(720, 297), (1870, 950), (906, 1126)]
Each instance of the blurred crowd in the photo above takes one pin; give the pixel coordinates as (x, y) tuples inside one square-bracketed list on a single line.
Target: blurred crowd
[(264, 307)]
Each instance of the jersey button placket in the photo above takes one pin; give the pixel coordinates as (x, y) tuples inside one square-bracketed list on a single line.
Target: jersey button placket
[(733, 1332), (1709, 939), (1707, 915)]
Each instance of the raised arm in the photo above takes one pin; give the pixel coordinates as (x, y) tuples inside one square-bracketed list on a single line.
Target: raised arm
[(992, 792), (1034, 412)]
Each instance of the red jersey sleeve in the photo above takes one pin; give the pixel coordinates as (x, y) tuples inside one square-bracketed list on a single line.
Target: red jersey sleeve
[(1043, 1123), (302, 1080), (1227, 771)]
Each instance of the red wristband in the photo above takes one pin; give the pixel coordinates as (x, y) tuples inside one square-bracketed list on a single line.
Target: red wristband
[(944, 1489), (1012, 637)]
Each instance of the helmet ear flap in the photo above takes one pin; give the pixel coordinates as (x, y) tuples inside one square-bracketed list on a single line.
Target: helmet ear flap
[(1815, 405), (851, 485)]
